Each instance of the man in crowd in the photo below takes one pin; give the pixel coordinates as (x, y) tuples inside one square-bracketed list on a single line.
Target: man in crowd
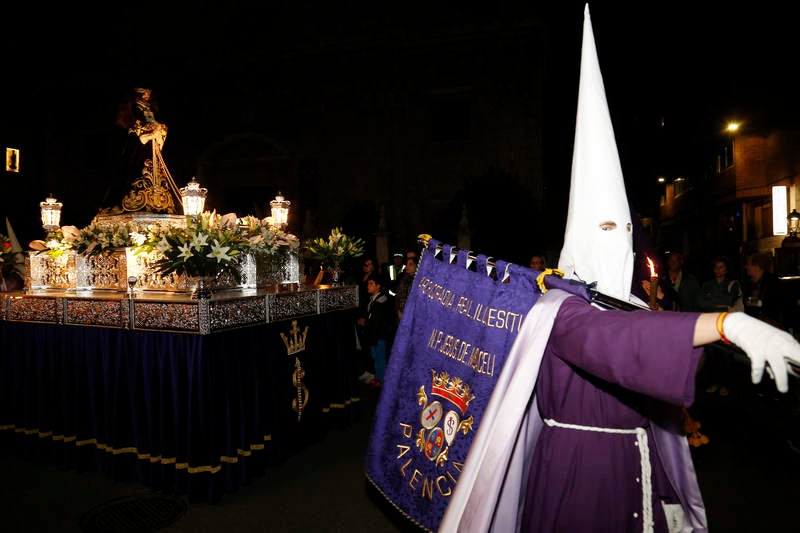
[(685, 285), (405, 282), (762, 295)]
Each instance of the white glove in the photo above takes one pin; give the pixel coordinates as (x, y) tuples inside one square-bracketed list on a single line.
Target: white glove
[(763, 344)]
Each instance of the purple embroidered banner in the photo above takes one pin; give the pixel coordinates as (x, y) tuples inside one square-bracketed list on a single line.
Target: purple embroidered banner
[(457, 329)]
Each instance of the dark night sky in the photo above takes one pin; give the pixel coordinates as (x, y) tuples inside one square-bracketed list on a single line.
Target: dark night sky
[(695, 66), (657, 57), (692, 67)]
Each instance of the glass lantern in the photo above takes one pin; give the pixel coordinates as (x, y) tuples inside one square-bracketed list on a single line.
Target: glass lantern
[(793, 221), (279, 208), (193, 198), (51, 213)]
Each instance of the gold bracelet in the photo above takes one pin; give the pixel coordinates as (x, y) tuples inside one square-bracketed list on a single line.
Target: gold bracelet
[(720, 320)]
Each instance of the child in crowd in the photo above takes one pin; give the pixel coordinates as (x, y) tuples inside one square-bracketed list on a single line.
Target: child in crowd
[(378, 325)]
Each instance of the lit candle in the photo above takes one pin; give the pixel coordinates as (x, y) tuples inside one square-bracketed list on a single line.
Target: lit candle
[(653, 284)]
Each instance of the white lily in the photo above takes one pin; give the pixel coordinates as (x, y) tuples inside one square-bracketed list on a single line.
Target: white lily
[(219, 252)]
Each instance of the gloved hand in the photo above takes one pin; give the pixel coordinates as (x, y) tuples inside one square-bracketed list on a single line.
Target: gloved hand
[(763, 344)]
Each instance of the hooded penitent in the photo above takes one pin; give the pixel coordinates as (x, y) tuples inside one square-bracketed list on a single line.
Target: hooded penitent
[(597, 241)]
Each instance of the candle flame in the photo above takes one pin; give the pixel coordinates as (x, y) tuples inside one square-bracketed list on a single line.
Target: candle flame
[(652, 266)]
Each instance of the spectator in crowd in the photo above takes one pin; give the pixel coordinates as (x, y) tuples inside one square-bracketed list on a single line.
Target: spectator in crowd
[(378, 325), (646, 252), (720, 293), (762, 296), (538, 262), (394, 270), (405, 283), (685, 286), (764, 299), (368, 267)]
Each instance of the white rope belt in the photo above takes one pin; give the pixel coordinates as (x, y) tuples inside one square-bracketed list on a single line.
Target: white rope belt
[(644, 461)]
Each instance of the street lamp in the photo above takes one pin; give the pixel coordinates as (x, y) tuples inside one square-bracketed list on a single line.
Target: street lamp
[(51, 213), (193, 198), (793, 221), (279, 208), (788, 255)]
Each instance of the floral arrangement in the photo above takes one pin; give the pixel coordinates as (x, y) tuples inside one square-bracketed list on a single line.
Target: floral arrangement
[(102, 238), (57, 241), (209, 245), (9, 259), (91, 240), (336, 248), (264, 238)]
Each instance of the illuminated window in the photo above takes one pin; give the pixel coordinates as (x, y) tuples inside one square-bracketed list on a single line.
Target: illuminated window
[(12, 160)]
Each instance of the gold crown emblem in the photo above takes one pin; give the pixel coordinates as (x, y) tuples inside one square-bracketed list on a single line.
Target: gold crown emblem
[(452, 389), (295, 342)]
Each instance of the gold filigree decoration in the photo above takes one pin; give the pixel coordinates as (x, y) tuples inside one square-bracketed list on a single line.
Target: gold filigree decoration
[(299, 403), (155, 191), (295, 342)]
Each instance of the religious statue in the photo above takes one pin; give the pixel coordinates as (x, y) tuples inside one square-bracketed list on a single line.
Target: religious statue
[(149, 186)]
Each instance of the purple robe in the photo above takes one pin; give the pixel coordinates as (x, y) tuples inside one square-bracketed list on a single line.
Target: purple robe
[(604, 369), (596, 369)]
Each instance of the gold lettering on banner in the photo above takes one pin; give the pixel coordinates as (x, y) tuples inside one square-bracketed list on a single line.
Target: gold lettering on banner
[(408, 430), (415, 477), (403, 468), (440, 481), (491, 317), (479, 360), (427, 488), (435, 339), (437, 292)]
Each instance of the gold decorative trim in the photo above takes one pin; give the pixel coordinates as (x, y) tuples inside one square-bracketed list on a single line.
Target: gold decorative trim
[(139, 455)]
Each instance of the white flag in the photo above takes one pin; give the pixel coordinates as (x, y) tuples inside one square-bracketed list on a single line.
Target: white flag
[(15, 247)]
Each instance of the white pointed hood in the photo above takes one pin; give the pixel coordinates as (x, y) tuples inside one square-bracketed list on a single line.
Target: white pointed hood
[(598, 245)]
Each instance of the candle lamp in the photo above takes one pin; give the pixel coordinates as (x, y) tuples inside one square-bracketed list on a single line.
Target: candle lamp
[(279, 209), (793, 222), (653, 303), (51, 213), (193, 198)]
